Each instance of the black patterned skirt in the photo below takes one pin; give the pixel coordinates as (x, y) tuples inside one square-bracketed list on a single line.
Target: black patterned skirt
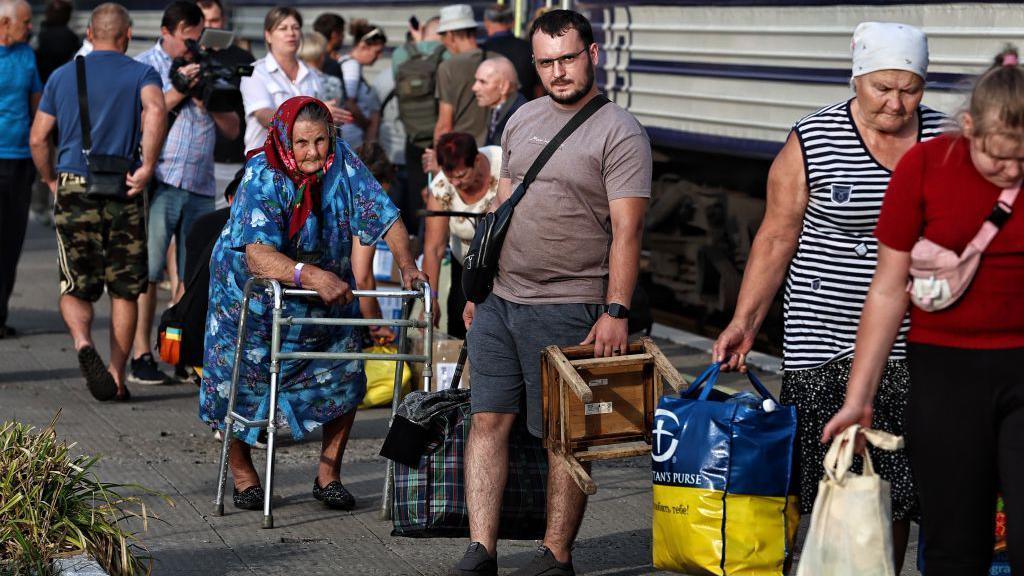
[(818, 394)]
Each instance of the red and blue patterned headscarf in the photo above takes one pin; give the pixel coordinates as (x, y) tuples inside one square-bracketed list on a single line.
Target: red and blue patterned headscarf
[(281, 157)]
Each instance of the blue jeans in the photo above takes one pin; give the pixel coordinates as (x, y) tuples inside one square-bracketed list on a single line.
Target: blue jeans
[(172, 211)]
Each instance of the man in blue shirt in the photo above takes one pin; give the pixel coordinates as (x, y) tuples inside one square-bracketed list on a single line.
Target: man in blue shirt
[(18, 101), (101, 235), (185, 177)]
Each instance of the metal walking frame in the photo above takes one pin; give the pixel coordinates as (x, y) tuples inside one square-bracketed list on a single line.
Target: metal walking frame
[(273, 287)]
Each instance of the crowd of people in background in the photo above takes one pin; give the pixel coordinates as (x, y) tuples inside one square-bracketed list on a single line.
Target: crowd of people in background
[(470, 89), (437, 131)]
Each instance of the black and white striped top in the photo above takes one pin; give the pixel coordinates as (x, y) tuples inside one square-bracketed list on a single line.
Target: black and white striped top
[(830, 275)]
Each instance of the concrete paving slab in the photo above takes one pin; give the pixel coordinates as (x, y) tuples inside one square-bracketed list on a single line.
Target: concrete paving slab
[(158, 441)]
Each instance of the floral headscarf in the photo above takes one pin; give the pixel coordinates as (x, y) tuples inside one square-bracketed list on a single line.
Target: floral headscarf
[(280, 157)]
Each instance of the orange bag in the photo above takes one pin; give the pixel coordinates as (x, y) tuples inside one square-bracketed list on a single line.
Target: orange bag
[(170, 344)]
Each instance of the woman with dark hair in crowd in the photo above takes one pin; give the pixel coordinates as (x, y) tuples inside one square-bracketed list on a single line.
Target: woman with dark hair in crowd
[(303, 198), (278, 76), (467, 181), (359, 97), (965, 414)]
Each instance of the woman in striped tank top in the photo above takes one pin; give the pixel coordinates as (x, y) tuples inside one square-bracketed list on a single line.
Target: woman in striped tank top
[(825, 193)]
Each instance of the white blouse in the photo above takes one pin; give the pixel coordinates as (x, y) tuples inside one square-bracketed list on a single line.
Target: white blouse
[(269, 87)]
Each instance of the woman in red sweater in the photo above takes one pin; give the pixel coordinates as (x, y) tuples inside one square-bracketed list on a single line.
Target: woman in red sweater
[(965, 415)]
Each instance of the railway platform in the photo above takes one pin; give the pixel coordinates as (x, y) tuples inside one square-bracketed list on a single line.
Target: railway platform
[(157, 440)]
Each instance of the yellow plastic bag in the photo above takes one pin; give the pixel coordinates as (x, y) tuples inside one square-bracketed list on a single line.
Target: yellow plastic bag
[(380, 378)]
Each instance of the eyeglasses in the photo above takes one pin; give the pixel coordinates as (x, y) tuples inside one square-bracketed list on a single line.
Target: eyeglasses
[(564, 60)]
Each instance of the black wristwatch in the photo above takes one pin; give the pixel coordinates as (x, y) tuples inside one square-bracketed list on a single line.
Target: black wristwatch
[(619, 311)]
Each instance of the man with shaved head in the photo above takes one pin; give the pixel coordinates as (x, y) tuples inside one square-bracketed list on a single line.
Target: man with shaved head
[(496, 87), (101, 237), (18, 100)]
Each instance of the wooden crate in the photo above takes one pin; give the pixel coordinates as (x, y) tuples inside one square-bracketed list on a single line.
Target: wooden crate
[(602, 408)]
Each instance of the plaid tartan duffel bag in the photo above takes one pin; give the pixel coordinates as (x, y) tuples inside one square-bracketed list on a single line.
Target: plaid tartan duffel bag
[(430, 500)]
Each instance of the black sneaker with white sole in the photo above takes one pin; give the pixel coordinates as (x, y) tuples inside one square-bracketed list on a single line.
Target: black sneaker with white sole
[(545, 564), (144, 371), (476, 562)]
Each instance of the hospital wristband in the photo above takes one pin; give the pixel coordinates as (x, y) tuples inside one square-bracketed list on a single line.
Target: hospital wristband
[(298, 274)]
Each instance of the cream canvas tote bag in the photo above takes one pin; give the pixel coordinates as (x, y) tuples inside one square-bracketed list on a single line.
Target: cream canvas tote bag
[(851, 530)]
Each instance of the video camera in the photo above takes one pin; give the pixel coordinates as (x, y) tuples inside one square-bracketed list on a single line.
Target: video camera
[(218, 84)]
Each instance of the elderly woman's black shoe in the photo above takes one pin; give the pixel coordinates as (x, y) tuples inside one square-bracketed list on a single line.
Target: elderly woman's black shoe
[(249, 499), (334, 495)]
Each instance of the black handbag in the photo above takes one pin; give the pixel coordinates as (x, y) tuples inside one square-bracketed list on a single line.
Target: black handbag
[(481, 262), (106, 175)]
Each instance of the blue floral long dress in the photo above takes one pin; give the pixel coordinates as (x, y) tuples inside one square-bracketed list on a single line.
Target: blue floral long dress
[(312, 392)]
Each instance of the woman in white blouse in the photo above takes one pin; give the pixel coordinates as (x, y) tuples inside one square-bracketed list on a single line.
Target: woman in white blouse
[(278, 76), (466, 181)]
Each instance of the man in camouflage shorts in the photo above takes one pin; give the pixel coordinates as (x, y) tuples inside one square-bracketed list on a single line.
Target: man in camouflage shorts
[(101, 233), (90, 259)]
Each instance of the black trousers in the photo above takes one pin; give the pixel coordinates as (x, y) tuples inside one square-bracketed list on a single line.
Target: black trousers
[(15, 198), (965, 438), (416, 180), (456, 304)]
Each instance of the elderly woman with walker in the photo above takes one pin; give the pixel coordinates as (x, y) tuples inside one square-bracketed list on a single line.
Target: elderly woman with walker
[(303, 198)]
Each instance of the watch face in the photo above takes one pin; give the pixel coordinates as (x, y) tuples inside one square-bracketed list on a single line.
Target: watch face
[(618, 311)]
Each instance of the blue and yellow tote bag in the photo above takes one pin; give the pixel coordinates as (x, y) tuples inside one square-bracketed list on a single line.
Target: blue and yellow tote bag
[(722, 469)]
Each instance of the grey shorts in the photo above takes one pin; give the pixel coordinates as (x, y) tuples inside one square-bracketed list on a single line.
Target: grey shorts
[(505, 345)]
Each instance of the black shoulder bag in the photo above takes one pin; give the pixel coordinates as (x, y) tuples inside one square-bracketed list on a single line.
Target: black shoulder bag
[(481, 263), (106, 174)]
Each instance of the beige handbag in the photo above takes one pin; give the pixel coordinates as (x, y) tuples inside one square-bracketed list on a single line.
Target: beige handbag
[(851, 526)]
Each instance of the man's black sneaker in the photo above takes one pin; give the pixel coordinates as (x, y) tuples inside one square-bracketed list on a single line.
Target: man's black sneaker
[(184, 375), (545, 564), (101, 384), (476, 562), (143, 371)]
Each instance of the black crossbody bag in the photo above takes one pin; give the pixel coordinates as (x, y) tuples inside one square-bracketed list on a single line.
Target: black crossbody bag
[(106, 174), (481, 263)]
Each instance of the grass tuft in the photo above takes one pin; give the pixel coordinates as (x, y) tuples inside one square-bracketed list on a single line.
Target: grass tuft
[(53, 505)]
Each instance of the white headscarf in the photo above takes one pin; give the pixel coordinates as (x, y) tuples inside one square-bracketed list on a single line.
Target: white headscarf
[(889, 46)]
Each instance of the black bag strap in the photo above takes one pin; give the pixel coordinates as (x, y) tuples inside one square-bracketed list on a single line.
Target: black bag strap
[(413, 50), (459, 365), (387, 100), (575, 122), (83, 105)]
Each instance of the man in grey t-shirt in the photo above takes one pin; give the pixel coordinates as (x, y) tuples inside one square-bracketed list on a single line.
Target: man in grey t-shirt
[(567, 272)]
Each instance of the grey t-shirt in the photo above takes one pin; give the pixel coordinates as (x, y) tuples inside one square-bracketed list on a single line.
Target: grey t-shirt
[(455, 87), (556, 249)]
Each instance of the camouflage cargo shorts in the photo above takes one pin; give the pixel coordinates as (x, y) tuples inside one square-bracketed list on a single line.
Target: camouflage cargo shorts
[(101, 241)]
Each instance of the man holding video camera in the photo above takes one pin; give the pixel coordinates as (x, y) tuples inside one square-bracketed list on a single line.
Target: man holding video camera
[(228, 153), (185, 183)]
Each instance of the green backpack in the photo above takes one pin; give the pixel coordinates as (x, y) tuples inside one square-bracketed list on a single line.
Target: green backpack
[(415, 86)]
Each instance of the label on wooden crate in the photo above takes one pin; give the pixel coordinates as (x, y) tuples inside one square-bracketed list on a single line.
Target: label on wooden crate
[(597, 408), (445, 372), (598, 382)]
